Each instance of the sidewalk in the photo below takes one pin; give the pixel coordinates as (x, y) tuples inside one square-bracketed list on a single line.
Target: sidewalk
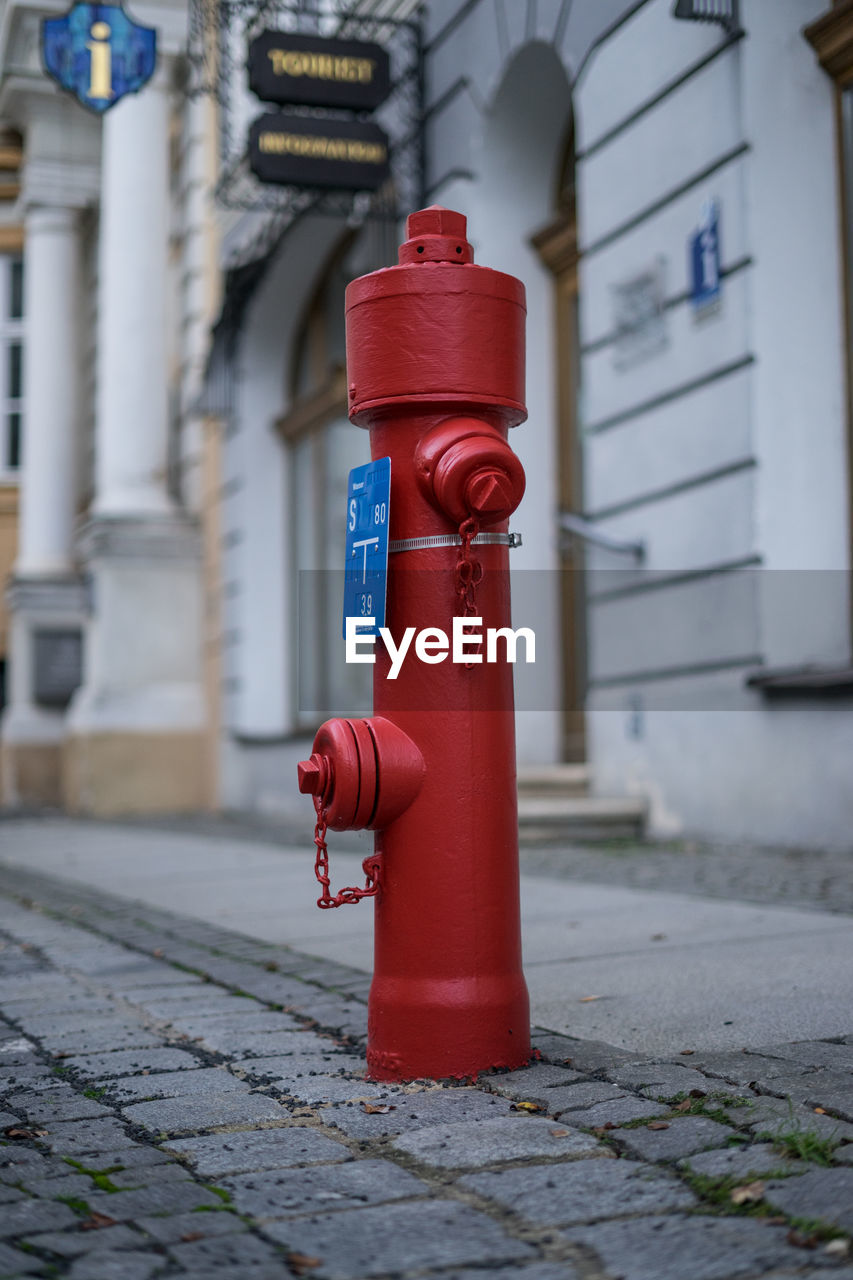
[(183, 1093), (671, 971)]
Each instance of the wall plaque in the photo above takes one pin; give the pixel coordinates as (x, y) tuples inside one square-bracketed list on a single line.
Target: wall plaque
[(314, 71), (288, 149)]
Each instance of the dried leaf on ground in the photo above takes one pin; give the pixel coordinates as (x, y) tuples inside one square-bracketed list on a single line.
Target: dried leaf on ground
[(20, 1134), (589, 999), (683, 1106), (838, 1248), (301, 1263), (801, 1240), (372, 1109), (686, 1053), (96, 1221), (526, 1106), (559, 1133), (189, 1236), (657, 1124), (749, 1193)]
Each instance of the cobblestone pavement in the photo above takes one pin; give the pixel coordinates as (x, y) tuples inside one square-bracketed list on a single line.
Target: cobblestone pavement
[(179, 1100)]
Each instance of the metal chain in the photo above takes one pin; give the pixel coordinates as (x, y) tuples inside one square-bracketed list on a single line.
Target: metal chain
[(372, 865), (469, 572)]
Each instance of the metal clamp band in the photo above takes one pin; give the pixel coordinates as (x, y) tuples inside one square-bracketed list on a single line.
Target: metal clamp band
[(454, 540)]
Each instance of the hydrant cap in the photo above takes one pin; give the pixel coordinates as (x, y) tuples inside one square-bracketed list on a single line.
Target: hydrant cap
[(436, 234)]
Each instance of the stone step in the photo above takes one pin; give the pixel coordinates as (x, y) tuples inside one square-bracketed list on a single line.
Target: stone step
[(554, 779), (544, 819)]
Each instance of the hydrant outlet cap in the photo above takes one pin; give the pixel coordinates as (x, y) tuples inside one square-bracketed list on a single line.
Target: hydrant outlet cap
[(310, 774), (491, 492), (436, 234)]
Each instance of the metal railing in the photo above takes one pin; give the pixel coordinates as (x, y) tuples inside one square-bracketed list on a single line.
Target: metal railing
[(587, 532)]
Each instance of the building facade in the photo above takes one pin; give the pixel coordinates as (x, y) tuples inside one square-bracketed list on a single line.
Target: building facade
[(671, 182)]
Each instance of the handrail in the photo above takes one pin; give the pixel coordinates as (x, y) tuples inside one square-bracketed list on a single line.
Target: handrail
[(587, 532)]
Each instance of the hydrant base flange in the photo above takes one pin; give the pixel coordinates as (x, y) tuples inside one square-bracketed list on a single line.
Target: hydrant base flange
[(436, 1031)]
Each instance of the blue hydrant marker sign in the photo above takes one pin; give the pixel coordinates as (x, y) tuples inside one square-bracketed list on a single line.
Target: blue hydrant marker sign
[(366, 563)]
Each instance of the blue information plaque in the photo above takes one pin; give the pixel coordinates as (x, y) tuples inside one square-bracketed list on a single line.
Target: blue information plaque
[(366, 565)]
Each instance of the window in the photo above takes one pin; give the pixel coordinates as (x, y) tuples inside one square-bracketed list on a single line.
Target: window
[(11, 362)]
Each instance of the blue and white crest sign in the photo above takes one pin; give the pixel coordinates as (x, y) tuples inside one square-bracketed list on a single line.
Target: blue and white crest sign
[(98, 53)]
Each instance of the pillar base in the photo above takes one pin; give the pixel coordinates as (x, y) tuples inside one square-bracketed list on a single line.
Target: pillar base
[(135, 731), (45, 612), (113, 774)]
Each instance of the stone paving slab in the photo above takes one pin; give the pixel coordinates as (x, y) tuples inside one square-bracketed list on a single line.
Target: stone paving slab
[(675, 1248), (216, 1110), (777, 1115), (480, 1142), (104, 1066), (538, 1271), (15, 1263), (101, 1264), (541, 1076), (269, 1044), (173, 1228), (408, 1112), (173, 1084), (754, 1161), (448, 1183), (361, 1243), (685, 1135), (217, 1154), (47, 1106), (285, 1194), (80, 1137), (820, 1193), (620, 1111), (585, 1191), (71, 1244), (228, 1257)]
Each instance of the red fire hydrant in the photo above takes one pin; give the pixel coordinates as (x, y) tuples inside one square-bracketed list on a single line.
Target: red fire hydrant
[(435, 362)]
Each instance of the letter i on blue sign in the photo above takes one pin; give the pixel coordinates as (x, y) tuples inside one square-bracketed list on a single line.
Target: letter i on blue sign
[(366, 561)]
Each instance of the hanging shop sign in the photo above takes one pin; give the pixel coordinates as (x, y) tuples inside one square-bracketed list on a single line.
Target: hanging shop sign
[(98, 54), (350, 155), (312, 71)]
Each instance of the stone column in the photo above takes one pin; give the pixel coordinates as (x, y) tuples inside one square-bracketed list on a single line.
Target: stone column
[(135, 739), (45, 594), (132, 387)]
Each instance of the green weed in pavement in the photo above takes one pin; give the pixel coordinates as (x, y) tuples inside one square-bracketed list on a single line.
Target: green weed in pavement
[(100, 1177), (801, 1144), (77, 1204)]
